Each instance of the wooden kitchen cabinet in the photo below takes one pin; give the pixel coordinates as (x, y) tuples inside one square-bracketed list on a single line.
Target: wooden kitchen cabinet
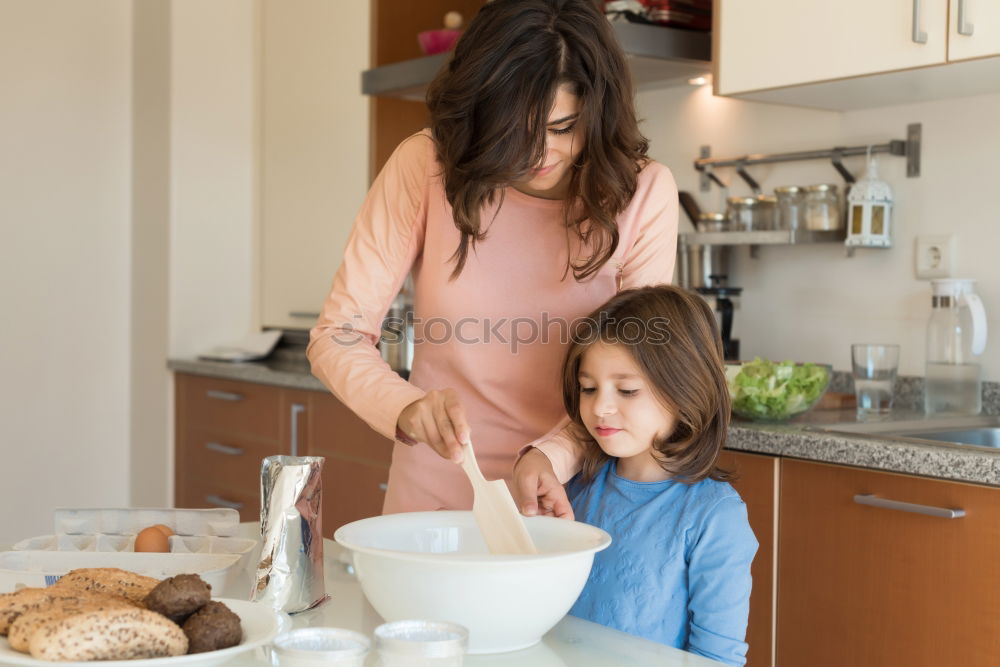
[(356, 470), (862, 585), (757, 485), (225, 428)]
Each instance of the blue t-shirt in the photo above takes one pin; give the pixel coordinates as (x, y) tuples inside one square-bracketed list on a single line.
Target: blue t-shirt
[(678, 570)]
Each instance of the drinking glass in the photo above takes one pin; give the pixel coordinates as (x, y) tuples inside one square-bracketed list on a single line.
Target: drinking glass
[(874, 367)]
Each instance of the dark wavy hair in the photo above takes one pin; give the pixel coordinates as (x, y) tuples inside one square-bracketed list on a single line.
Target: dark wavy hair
[(489, 110), (672, 336)]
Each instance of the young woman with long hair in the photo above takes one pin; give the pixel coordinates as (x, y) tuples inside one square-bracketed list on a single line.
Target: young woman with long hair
[(528, 201)]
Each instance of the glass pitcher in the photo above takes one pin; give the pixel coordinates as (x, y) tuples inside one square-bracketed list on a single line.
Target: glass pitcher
[(956, 337)]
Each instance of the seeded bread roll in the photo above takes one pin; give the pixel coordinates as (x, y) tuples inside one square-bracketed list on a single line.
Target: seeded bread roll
[(27, 623), (110, 580), (109, 634), (212, 627), (178, 597), (13, 605)]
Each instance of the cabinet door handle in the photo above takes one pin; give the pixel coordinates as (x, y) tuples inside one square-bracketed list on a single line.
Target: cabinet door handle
[(297, 409), (223, 449), (964, 27), (219, 501), (303, 314), (383, 486), (928, 510), (224, 395), (919, 36)]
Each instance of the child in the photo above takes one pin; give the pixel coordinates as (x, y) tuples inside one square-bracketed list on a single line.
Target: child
[(644, 384)]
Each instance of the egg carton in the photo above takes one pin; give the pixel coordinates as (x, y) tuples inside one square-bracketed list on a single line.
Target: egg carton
[(204, 543), (207, 522)]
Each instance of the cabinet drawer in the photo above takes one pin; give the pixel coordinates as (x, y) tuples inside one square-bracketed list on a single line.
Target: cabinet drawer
[(351, 491), (337, 430), (227, 461), (252, 410), (863, 585), (198, 493)]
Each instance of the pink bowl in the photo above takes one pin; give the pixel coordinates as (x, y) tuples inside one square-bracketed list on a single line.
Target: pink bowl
[(437, 41)]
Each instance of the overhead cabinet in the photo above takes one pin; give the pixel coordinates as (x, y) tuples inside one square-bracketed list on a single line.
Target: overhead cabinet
[(856, 53)]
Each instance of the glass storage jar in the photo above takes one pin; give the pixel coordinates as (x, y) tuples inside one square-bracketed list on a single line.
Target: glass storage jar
[(765, 212), (741, 212), (822, 210), (791, 201)]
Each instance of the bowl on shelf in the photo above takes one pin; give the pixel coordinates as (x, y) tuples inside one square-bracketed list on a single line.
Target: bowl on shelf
[(435, 566), (768, 391), (437, 41)]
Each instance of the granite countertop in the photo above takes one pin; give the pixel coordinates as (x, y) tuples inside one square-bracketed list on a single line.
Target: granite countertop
[(796, 438)]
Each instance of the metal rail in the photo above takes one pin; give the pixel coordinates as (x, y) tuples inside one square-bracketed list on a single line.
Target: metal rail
[(909, 148)]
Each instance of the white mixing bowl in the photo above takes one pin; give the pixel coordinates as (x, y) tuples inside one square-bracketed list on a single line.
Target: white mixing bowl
[(435, 566)]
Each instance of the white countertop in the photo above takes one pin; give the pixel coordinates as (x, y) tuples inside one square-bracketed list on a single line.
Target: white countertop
[(573, 642)]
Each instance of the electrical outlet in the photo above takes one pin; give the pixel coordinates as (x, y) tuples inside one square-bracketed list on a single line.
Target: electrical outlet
[(934, 256)]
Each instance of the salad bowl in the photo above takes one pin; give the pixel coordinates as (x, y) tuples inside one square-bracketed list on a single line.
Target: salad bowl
[(769, 391)]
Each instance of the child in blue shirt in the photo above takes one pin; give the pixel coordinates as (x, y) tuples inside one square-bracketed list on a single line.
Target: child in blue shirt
[(645, 387)]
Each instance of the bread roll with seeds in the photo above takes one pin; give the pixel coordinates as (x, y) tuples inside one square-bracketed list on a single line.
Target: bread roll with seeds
[(109, 580), (14, 604), (109, 634), (27, 623)]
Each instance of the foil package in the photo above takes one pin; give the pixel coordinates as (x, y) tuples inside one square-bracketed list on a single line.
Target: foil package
[(290, 573)]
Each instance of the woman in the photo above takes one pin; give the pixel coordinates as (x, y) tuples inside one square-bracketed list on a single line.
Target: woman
[(527, 203)]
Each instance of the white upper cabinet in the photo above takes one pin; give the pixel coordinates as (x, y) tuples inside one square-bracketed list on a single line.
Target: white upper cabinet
[(854, 54), (313, 150), (974, 29), (788, 42)]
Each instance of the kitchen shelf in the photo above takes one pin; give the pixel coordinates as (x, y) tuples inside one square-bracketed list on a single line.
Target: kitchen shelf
[(659, 56), (770, 237)]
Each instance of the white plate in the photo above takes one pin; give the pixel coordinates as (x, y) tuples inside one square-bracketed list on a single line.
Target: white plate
[(261, 624)]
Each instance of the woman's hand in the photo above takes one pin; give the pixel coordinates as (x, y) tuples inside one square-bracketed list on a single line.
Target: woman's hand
[(437, 419), (537, 488)]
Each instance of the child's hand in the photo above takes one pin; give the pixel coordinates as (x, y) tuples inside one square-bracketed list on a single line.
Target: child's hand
[(537, 489)]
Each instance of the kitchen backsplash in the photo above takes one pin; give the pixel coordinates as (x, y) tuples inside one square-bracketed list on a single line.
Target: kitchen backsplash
[(909, 392)]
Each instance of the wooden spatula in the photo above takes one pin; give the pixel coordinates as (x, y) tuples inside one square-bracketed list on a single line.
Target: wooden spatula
[(495, 511)]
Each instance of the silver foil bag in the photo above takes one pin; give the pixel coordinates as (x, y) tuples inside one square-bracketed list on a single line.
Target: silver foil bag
[(290, 572)]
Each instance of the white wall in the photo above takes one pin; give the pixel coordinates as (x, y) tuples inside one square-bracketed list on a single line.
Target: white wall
[(150, 416), (811, 302), (65, 134)]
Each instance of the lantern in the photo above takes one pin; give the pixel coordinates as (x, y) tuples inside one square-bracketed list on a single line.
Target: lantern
[(869, 211)]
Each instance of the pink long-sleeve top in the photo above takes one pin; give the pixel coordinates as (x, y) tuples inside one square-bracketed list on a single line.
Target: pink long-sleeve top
[(497, 334)]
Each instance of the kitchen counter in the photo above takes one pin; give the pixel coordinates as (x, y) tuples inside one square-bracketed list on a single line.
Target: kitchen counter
[(573, 642), (794, 439)]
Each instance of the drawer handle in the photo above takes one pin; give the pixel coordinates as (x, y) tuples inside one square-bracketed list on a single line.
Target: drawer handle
[(919, 36), (383, 486), (223, 449), (224, 395), (297, 409), (964, 27), (219, 501), (884, 503)]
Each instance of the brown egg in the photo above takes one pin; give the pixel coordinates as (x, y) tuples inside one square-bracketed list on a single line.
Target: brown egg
[(152, 540), (164, 529)]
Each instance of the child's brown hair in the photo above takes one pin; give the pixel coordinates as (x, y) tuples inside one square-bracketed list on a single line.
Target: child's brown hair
[(672, 336)]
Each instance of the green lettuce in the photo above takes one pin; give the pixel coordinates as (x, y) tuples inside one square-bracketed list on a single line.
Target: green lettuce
[(763, 389)]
